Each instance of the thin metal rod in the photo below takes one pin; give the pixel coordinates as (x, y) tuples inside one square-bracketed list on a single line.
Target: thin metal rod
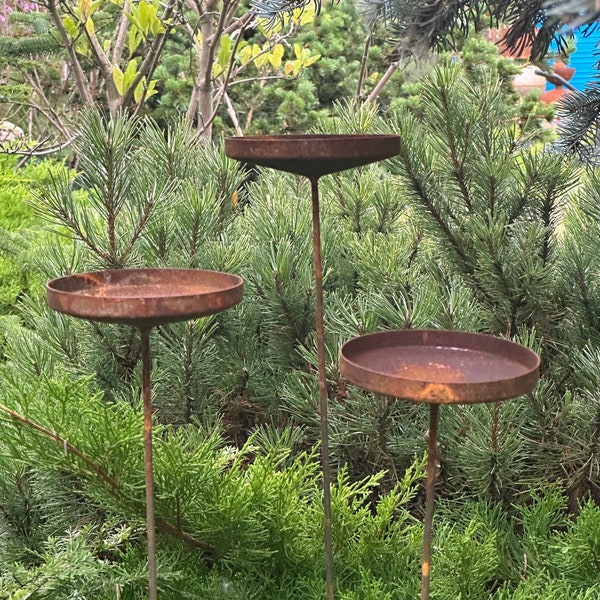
[(429, 500), (314, 181), (148, 464)]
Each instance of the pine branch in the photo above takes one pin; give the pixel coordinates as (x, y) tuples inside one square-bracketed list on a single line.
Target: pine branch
[(579, 123), (95, 469)]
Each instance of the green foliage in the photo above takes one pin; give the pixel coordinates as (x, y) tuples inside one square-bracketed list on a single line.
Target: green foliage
[(20, 226), (469, 227), (254, 510), (338, 36)]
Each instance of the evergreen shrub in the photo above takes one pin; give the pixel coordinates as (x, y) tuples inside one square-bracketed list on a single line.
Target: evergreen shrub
[(472, 226)]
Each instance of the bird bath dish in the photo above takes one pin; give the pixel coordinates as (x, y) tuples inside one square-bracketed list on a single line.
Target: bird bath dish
[(441, 367), (144, 298), (313, 156), (438, 367)]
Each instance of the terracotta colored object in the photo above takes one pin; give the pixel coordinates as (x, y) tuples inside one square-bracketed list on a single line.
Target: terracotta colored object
[(144, 297), (552, 96), (496, 36), (561, 69), (528, 81), (312, 155), (564, 73)]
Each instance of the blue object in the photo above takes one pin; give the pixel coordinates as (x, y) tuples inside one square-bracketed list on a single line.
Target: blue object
[(583, 59)]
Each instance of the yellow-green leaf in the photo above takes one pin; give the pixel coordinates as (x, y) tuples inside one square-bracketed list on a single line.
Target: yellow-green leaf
[(130, 74), (70, 27), (246, 55), (134, 38), (118, 79), (95, 6), (89, 26), (151, 89), (261, 60), (224, 51), (276, 55), (157, 27), (145, 13), (138, 93), (143, 93)]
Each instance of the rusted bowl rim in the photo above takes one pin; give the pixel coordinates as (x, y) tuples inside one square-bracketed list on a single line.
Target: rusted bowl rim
[(68, 295), (420, 389)]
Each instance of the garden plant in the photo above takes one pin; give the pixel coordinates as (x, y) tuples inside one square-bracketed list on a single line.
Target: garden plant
[(475, 225)]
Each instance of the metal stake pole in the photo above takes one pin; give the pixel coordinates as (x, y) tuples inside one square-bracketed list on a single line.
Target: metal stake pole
[(320, 328), (148, 464), (429, 500)]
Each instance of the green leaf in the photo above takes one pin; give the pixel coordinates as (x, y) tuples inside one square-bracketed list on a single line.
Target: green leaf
[(246, 55), (118, 79), (89, 26), (276, 55), (311, 60), (70, 26), (145, 13), (224, 51), (130, 74), (134, 38), (263, 58), (138, 94)]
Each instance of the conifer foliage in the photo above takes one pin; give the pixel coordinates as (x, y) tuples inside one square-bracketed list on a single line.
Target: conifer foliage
[(470, 227)]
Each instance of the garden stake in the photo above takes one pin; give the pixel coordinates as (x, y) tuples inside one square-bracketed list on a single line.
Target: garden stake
[(438, 367), (313, 156), (144, 298), (323, 397), (429, 499), (148, 465)]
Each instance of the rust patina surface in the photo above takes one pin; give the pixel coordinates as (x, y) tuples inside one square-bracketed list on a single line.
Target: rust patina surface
[(144, 297), (312, 155), (440, 367)]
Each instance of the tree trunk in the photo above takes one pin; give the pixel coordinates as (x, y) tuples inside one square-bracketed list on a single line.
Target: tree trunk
[(201, 102)]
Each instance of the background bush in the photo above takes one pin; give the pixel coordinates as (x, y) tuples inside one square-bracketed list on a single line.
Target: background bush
[(472, 226)]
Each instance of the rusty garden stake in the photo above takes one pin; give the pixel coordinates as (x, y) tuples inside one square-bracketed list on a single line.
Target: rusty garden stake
[(438, 367), (323, 397), (149, 465), (429, 499), (313, 156), (144, 298)]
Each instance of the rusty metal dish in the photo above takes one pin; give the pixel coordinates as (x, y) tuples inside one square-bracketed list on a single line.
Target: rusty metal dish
[(144, 297), (312, 155), (439, 367)]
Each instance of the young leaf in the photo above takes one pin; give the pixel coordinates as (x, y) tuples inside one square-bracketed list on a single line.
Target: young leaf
[(224, 51), (69, 25), (118, 79), (276, 55)]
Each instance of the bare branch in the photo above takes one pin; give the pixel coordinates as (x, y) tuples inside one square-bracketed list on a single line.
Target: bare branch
[(80, 80)]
